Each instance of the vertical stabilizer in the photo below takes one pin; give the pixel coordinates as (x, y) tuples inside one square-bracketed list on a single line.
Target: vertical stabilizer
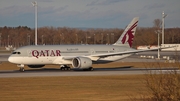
[(127, 36)]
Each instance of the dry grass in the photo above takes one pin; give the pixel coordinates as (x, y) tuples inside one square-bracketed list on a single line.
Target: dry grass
[(99, 88), (81, 88)]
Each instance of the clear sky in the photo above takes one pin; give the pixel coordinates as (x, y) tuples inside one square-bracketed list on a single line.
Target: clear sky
[(88, 13)]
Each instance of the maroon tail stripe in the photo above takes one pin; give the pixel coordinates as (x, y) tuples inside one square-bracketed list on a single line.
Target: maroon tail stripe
[(131, 36)]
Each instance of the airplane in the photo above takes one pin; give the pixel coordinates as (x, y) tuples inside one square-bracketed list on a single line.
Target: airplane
[(77, 57)]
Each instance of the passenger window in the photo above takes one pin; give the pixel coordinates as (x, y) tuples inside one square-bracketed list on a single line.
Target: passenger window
[(16, 53)]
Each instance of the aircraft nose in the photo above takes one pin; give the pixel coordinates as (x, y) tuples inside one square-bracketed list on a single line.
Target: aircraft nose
[(14, 59), (10, 59)]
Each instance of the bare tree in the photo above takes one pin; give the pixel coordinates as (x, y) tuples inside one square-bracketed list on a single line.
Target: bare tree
[(157, 23)]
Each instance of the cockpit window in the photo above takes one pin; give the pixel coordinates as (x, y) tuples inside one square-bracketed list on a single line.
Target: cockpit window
[(16, 53)]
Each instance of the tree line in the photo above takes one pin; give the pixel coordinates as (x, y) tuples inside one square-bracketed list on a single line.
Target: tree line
[(23, 35)]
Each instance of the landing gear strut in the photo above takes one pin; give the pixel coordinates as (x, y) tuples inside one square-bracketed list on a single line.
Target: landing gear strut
[(65, 67), (21, 69)]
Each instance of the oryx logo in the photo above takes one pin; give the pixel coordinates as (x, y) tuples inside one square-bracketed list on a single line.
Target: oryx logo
[(129, 36)]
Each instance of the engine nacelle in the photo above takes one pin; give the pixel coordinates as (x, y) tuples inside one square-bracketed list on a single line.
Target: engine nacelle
[(81, 63), (35, 66)]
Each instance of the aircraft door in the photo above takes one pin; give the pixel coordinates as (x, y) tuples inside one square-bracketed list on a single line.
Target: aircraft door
[(92, 51), (29, 53)]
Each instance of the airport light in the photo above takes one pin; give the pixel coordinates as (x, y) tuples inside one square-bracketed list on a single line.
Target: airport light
[(86, 38), (35, 5), (0, 39), (102, 38), (29, 36), (107, 38), (112, 40), (62, 38), (27, 39), (42, 39), (94, 39), (8, 40), (76, 39), (163, 17), (158, 32), (59, 38)]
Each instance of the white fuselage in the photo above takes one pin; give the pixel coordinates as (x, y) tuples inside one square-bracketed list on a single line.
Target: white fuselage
[(54, 54)]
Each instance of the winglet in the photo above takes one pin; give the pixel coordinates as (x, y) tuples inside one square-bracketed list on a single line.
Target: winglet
[(128, 35)]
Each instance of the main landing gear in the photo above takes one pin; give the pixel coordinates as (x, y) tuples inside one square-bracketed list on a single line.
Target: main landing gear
[(91, 69), (65, 67), (21, 67)]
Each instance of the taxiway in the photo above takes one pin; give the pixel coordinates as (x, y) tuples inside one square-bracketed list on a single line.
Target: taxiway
[(97, 72)]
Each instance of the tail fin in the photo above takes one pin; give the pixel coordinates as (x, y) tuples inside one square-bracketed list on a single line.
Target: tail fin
[(128, 35)]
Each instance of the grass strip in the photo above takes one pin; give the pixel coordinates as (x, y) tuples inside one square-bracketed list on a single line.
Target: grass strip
[(85, 88)]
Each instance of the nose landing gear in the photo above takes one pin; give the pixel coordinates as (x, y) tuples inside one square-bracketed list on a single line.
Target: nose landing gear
[(21, 67)]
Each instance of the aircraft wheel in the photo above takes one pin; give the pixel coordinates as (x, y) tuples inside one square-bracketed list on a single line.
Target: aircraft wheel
[(62, 68), (69, 68), (91, 69), (21, 69), (65, 68)]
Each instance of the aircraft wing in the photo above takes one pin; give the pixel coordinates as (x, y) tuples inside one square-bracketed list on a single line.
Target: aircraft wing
[(95, 57), (120, 53), (126, 52)]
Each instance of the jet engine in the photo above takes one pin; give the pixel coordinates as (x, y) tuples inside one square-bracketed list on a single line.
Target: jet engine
[(81, 63), (35, 66)]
